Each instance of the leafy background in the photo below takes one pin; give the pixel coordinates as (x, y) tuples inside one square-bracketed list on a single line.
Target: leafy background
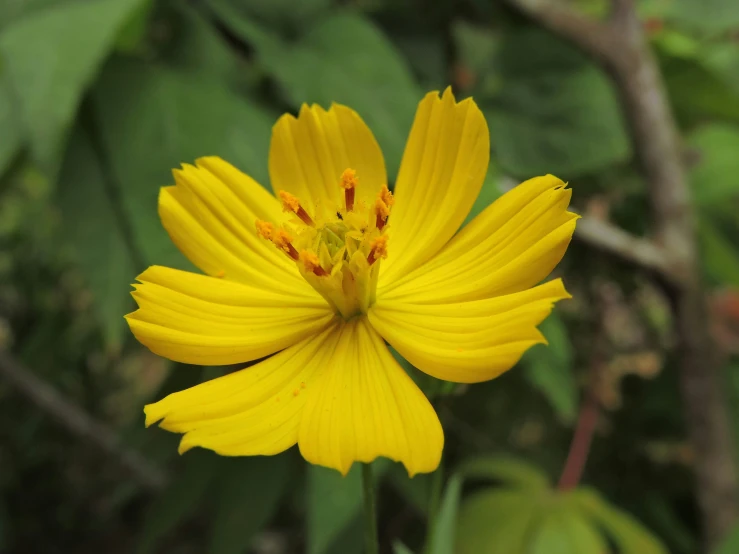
[(99, 99)]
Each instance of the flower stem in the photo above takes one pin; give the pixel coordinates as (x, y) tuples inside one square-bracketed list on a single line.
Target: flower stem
[(370, 519)]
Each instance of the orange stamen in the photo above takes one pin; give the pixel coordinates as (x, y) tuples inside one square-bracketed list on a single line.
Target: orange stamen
[(382, 211), (265, 229), (283, 240), (386, 196), (349, 184), (291, 203), (378, 249), (312, 263)]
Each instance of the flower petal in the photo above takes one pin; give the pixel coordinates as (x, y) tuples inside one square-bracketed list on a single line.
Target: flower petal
[(511, 246), (441, 174), (210, 215), (254, 411), (198, 319), (309, 153), (366, 406), (467, 342)]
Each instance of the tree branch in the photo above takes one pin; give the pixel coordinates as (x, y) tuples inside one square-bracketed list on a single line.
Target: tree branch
[(621, 47), (78, 422)]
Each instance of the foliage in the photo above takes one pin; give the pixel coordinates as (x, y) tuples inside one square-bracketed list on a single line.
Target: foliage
[(100, 99)]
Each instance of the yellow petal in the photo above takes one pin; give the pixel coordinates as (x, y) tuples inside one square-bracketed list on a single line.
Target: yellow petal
[(441, 174), (365, 406), (511, 246), (254, 411), (198, 319), (210, 215), (309, 153), (467, 342)]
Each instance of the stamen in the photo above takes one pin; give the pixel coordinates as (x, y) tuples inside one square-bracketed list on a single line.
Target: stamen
[(265, 229), (312, 263), (378, 249), (386, 196), (382, 211), (283, 241), (291, 203), (349, 184)]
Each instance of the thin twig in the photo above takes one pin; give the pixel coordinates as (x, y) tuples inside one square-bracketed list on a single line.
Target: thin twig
[(78, 422), (620, 46)]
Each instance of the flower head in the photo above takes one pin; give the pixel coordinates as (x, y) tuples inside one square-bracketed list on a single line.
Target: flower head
[(323, 277)]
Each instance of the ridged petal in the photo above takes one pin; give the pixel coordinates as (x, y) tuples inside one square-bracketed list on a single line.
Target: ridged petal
[(309, 153), (198, 319), (210, 215), (511, 246), (443, 168), (365, 406), (467, 342), (254, 411)]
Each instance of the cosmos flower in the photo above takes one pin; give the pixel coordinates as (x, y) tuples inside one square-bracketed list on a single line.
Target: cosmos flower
[(322, 276)]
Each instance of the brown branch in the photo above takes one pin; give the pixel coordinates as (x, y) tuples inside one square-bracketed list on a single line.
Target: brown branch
[(78, 422), (621, 47)]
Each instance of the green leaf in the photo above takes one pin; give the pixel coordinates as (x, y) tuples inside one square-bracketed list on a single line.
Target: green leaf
[(714, 177), (730, 545), (400, 548), (180, 500), (11, 129), (549, 368), (442, 539), (51, 57), (343, 58), (275, 13), (557, 112), (710, 16), (510, 471), (334, 502), (626, 532), (565, 531), (91, 227), (250, 490), (720, 256), (497, 521), (153, 120)]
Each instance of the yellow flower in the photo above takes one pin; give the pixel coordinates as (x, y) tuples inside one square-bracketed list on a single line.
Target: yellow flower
[(336, 267)]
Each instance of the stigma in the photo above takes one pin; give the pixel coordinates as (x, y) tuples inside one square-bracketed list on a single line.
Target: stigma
[(338, 255)]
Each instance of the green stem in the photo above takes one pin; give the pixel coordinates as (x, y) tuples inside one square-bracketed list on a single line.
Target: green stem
[(437, 482), (370, 519)]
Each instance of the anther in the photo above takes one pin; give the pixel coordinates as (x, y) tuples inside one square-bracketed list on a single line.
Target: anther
[(382, 211), (349, 184), (283, 241), (291, 203), (312, 263), (378, 249), (265, 229), (386, 196)]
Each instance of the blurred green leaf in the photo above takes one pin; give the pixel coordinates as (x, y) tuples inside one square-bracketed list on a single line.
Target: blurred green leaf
[(400, 548), (557, 112), (497, 521), (343, 58), (181, 499), (714, 177), (274, 13), (720, 256), (626, 532), (710, 16), (564, 531), (91, 227), (730, 545), (334, 502), (442, 539), (133, 33), (51, 57), (549, 368), (12, 134), (513, 472), (249, 493), (153, 120)]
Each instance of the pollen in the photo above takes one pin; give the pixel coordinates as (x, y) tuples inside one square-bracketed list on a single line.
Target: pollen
[(382, 211), (386, 196), (378, 249), (312, 263), (291, 203), (283, 241), (265, 229)]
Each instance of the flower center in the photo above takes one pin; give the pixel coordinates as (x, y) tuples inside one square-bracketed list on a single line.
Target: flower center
[(338, 255)]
